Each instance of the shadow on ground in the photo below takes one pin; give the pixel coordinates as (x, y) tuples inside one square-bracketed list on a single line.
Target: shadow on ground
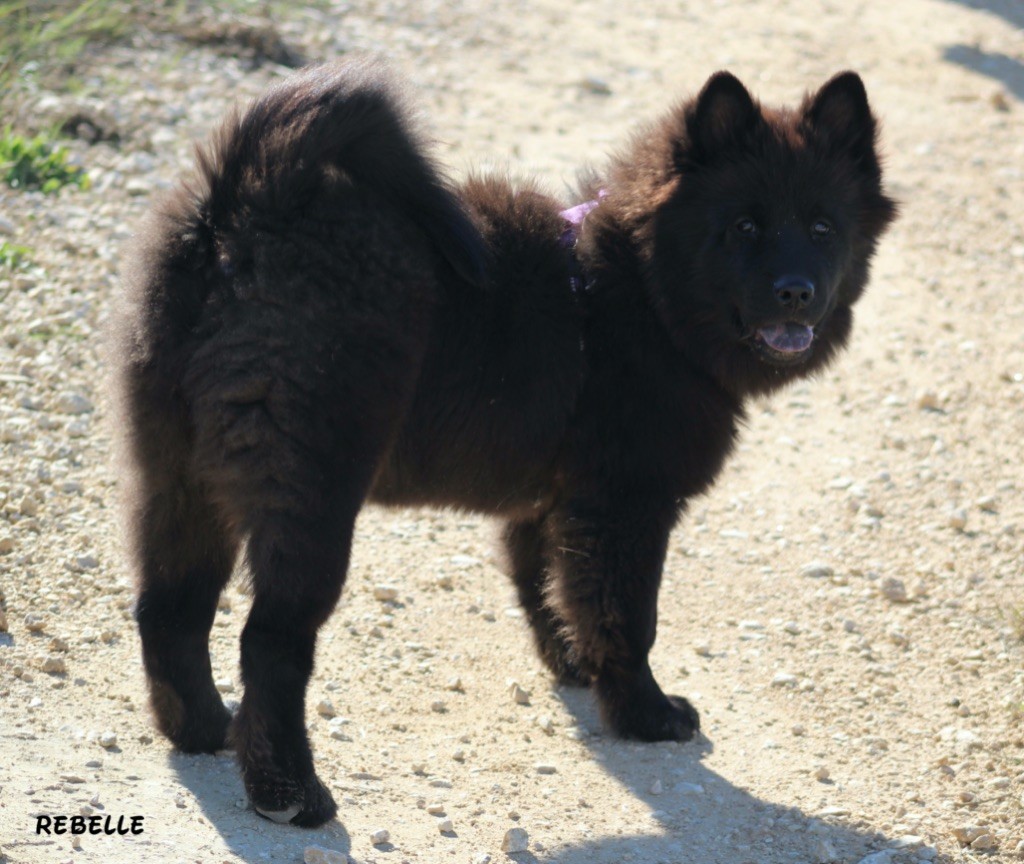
[(695, 814), (216, 784), (1003, 68), (704, 818)]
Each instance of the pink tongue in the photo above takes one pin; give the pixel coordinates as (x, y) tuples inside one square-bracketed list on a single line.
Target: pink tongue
[(787, 338)]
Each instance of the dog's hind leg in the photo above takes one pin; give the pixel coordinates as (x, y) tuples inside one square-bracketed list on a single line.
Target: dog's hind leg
[(185, 556), (529, 567)]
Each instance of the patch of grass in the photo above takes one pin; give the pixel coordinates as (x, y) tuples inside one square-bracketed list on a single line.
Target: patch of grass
[(13, 257), (44, 34), (37, 163)]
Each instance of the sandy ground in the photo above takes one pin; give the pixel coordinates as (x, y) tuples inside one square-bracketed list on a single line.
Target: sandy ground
[(843, 608)]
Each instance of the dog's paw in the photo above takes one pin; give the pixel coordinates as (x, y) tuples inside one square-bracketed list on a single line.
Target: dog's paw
[(670, 718), (308, 804)]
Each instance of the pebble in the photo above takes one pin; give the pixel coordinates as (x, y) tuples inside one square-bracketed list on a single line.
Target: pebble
[(3, 621), (547, 724), (985, 841), (34, 623), (515, 840), (958, 519), (380, 836), (224, 685), (385, 593), (454, 684), (893, 590), (325, 708), (319, 855), (54, 665), (784, 679), (108, 740), (821, 774), (438, 706), (481, 858), (6, 544), (545, 768), (445, 826), (817, 570), (703, 649), (824, 851), (656, 788), (518, 694), (73, 403), (436, 809), (883, 857), (967, 834)]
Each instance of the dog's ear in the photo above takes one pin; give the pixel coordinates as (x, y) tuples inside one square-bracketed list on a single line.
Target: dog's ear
[(839, 117), (722, 118)]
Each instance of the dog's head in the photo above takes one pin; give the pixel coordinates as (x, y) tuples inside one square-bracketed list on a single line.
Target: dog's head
[(763, 226)]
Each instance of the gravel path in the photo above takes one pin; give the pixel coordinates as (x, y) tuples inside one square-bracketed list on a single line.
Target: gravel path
[(844, 608)]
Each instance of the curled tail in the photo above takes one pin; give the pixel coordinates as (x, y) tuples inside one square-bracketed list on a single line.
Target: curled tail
[(342, 117)]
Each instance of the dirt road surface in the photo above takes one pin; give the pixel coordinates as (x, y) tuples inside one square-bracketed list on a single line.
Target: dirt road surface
[(843, 608)]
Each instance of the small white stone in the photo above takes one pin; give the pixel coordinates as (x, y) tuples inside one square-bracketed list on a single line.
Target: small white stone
[(380, 836), (656, 788), (967, 834), (515, 840), (481, 858), (73, 403), (547, 724), (821, 774), (545, 768), (454, 684), (518, 694), (319, 855), (445, 826), (438, 707), (702, 649), (54, 664), (224, 685), (108, 740), (325, 708), (817, 570), (958, 518), (893, 590), (436, 809), (784, 679), (34, 623), (385, 593), (985, 841)]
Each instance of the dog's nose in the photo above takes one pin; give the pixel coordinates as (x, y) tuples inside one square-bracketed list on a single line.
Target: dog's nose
[(794, 292)]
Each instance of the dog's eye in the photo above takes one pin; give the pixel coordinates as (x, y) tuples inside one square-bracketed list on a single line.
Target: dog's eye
[(821, 228), (746, 226)]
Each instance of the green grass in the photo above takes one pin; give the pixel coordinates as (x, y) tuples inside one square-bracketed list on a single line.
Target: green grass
[(42, 36), (37, 163), (13, 257)]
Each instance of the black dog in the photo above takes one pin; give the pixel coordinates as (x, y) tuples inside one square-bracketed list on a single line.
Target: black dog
[(317, 319)]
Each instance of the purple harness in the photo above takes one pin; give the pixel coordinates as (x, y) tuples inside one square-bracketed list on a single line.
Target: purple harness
[(574, 217)]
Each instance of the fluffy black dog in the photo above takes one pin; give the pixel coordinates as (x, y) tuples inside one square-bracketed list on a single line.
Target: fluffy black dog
[(317, 319)]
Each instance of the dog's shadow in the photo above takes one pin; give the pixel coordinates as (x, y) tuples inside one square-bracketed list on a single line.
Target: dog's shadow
[(695, 814)]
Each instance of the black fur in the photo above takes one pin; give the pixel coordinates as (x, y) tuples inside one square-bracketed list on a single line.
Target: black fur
[(317, 319)]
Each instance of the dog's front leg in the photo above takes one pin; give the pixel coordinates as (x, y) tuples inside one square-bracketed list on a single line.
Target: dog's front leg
[(609, 560)]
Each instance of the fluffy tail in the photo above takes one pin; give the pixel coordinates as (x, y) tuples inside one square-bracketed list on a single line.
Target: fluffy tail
[(348, 117)]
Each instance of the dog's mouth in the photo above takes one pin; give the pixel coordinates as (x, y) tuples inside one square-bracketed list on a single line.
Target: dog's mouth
[(788, 342)]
